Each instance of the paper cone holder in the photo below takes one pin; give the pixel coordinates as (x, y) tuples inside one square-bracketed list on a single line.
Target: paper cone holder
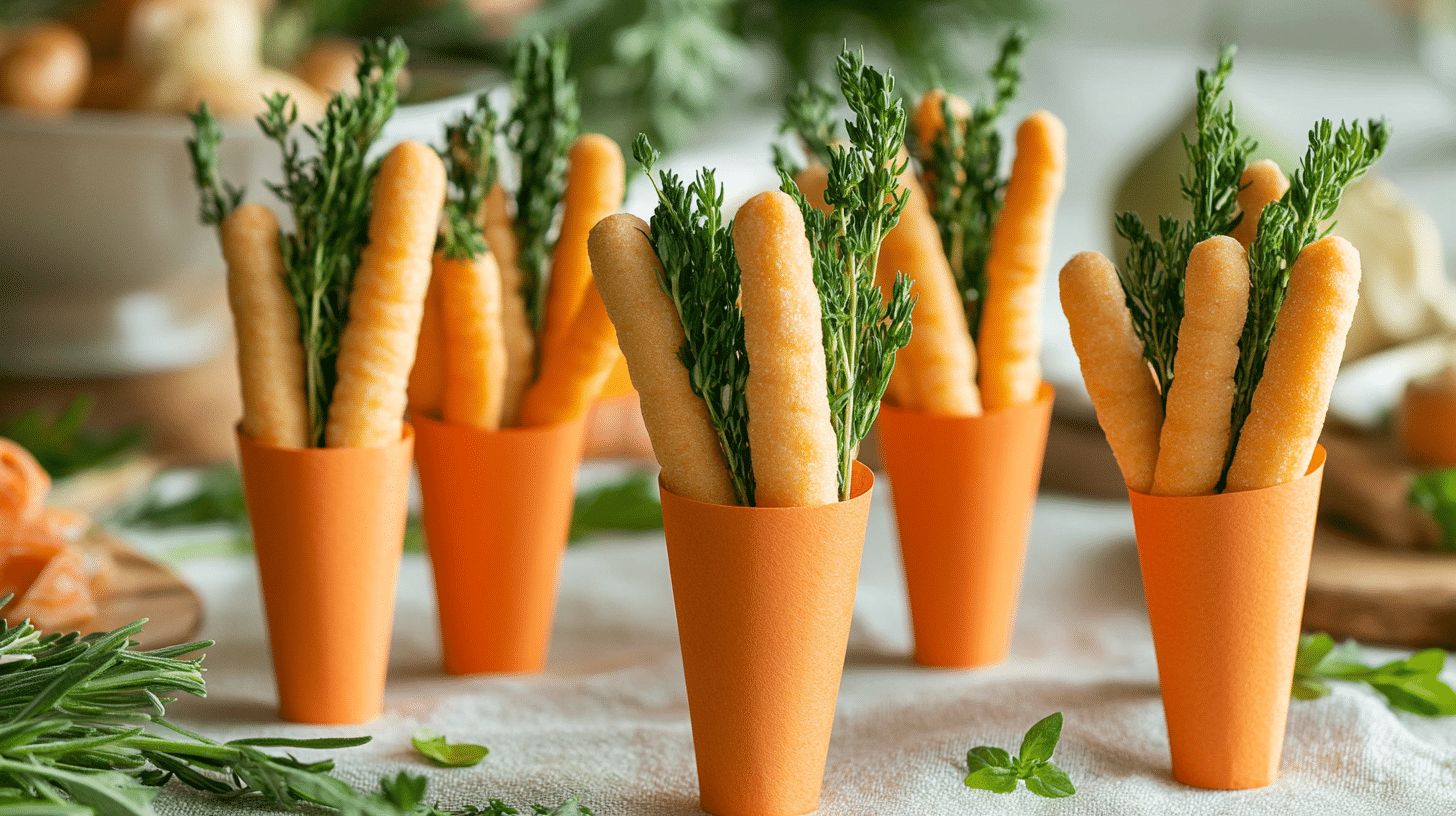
[(964, 488), (497, 509), (764, 598), (328, 528), (1225, 579)]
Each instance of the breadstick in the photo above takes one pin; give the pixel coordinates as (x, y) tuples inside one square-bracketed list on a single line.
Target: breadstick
[(936, 371), (573, 376), (789, 429), (1261, 183), (813, 181), (595, 184), (1288, 409), (377, 347), (475, 359), (649, 332), (1194, 443), (427, 376), (1010, 337), (270, 356), (930, 119), (1129, 408), (519, 339)]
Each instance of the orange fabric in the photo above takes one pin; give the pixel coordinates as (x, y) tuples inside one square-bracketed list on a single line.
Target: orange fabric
[(1225, 576), (963, 489), (328, 528), (497, 507), (764, 597)]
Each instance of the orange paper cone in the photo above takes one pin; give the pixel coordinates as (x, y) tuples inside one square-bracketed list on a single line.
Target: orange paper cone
[(764, 597), (1225, 578), (497, 507), (328, 526), (964, 488)]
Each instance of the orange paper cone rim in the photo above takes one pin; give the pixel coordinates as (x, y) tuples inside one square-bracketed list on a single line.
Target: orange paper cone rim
[(764, 598), (328, 528), (497, 509), (964, 488), (1225, 578)]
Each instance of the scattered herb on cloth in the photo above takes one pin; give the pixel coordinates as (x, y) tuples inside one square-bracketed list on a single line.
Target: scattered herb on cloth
[(433, 746), (1413, 684), (620, 506), (996, 770), (1434, 491), (64, 445)]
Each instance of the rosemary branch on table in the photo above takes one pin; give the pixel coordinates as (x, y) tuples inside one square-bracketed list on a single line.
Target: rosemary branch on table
[(701, 275), (470, 162), (862, 329)]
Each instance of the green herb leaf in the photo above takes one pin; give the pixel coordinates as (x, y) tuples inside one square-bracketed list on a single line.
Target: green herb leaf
[(470, 163), (995, 770), (218, 499), (63, 445), (433, 746), (1413, 684), (629, 504), (1434, 491)]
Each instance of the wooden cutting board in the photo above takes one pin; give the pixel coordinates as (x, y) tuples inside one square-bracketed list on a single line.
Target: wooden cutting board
[(1380, 595), (144, 588)]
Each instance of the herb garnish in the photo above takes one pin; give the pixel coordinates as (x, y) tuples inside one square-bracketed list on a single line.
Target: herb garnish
[(862, 331), (541, 128), (433, 746), (62, 444), (1413, 684), (1434, 491), (700, 273), (470, 164), (963, 179), (995, 770), (626, 505)]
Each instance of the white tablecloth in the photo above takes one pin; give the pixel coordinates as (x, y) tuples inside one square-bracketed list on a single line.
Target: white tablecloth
[(608, 719)]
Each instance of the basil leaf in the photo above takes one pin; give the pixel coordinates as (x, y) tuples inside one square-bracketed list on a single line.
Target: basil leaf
[(1422, 694), (433, 746), (1050, 781), (987, 757), (996, 780), (1312, 649), (628, 504), (1307, 688), (1434, 491), (1041, 739)]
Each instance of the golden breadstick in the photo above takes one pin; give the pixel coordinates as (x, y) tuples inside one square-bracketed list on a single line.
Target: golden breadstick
[(573, 376), (520, 340), (649, 332), (1261, 183), (270, 356), (475, 353), (1194, 443), (427, 376), (789, 430), (1290, 401), (1118, 379)]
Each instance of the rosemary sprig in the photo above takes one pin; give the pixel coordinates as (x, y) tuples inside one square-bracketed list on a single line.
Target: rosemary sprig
[(470, 161), (541, 128), (1152, 277), (1333, 159), (964, 181), (700, 274), (861, 333)]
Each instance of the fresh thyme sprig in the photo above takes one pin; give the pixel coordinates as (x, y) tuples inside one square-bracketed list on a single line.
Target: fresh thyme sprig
[(809, 114), (1333, 159), (700, 274), (964, 181), (862, 332), (218, 197), (541, 128), (470, 161), (1152, 277)]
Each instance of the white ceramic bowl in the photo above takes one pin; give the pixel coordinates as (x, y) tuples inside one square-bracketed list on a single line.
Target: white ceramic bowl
[(104, 268)]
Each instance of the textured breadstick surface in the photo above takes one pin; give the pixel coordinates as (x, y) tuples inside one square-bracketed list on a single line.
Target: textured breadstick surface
[(1194, 443), (789, 429), (650, 333), (270, 356), (427, 375), (1118, 379), (1288, 409), (936, 370), (1010, 333), (475, 358), (516, 331), (1261, 183), (377, 348), (595, 185), (573, 375)]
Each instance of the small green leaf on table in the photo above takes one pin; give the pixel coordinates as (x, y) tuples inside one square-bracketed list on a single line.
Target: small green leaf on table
[(434, 747), (995, 770), (628, 504), (1413, 684)]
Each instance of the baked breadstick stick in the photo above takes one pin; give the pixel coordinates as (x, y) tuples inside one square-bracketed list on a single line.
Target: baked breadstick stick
[(789, 430), (936, 371), (1288, 409), (1261, 183), (377, 348), (270, 356), (1010, 334), (1129, 408), (1194, 443), (650, 333), (427, 375), (475, 362), (573, 376), (516, 333)]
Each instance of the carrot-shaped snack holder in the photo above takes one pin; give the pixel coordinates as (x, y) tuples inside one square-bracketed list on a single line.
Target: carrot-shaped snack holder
[(764, 597), (497, 509), (328, 529), (964, 488), (1225, 577)]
